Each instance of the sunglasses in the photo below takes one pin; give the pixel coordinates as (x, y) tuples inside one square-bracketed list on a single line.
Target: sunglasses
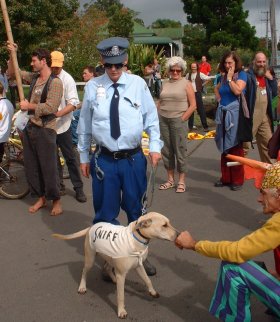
[(110, 66), (175, 70)]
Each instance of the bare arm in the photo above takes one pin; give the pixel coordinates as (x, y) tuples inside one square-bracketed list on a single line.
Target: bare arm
[(191, 100), (216, 91)]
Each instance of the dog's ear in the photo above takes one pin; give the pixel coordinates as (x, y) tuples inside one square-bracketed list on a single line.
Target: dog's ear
[(143, 223)]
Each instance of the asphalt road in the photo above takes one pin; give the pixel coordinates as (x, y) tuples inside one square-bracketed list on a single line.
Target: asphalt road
[(39, 275)]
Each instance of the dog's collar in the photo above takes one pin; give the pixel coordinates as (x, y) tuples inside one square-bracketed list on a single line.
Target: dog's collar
[(139, 240)]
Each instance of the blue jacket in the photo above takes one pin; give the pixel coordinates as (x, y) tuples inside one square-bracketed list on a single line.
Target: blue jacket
[(251, 89)]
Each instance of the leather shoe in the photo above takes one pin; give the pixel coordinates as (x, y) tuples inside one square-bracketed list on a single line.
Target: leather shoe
[(236, 187), (149, 268), (80, 195)]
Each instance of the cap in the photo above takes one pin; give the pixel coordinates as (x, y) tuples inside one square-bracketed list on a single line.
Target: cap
[(113, 50), (272, 177), (57, 59)]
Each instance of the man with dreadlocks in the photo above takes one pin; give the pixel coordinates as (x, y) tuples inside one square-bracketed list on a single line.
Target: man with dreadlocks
[(239, 277)]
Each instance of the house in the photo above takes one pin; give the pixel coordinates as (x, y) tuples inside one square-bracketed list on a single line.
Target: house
[(146, 36)]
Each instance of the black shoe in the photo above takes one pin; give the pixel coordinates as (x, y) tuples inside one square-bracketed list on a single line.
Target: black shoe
[(219, 184), (236, 187), (80, 195), (206, 129), (149, 268)]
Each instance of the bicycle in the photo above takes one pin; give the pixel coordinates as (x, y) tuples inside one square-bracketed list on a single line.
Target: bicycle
[(13, 183)]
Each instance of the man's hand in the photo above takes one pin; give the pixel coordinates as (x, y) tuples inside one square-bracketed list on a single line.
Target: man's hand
[(185, 240), (24, 105), (154, 158), (268, 75), (85, 169), (12, 46)]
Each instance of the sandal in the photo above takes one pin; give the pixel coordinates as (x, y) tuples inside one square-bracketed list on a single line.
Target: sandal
[(167, 185), (181, 187)]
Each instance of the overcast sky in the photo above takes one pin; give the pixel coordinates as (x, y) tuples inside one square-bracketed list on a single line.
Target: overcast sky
[(151, 10)]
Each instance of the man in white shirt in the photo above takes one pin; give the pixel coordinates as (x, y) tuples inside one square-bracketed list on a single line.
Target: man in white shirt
[(69, 102)]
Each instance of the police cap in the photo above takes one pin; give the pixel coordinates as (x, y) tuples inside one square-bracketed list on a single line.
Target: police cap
[(113, 50)]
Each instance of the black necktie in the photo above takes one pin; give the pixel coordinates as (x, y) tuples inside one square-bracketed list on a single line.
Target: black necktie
[(114, 114)]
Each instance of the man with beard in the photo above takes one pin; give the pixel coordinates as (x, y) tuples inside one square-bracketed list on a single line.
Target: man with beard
[(262, 88)]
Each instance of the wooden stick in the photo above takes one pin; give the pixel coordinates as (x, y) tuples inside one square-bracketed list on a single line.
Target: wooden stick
[(13, 53)]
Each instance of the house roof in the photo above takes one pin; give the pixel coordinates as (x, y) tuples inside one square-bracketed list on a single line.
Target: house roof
[(143, 35), (173, 33), (153, 40), (139, 30)]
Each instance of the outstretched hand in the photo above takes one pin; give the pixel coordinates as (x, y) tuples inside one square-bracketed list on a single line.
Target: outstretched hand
[(185, 240)]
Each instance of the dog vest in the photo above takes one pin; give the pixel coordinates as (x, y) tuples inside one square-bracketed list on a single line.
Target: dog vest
[(116, 241)]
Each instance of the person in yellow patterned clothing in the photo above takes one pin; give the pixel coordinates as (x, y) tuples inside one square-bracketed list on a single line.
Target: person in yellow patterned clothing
[(239, 277)]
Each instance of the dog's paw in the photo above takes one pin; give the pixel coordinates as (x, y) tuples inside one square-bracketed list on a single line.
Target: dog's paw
[(82, 290), (122, 314), (154, 294)]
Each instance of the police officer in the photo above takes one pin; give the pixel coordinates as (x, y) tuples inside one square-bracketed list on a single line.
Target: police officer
[(116, 108)]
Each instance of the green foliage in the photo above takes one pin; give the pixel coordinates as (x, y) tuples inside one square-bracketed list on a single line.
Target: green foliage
[(36, 23), (121, 23), (246, 56), (224, 21), (166, 23), (79, 46), (216, 52), (194, 41), (139, 56)]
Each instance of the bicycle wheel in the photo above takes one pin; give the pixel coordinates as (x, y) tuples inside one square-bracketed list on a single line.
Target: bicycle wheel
[(13, 184)]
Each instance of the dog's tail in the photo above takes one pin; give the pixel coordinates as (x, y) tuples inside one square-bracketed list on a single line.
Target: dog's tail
[(72, 236)]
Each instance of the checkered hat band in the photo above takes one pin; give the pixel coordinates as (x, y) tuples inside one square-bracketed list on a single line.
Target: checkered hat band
[(113, 52)]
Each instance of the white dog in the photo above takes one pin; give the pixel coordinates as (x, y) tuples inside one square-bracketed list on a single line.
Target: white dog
[(123, 248)]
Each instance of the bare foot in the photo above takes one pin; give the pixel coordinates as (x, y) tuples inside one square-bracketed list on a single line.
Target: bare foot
[(57, 209), (40, 203)]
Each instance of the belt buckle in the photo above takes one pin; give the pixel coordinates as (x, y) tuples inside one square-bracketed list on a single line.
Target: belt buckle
[(118, 155)]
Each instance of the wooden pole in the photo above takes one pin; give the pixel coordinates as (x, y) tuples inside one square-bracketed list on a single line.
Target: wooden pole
[(13, 53)]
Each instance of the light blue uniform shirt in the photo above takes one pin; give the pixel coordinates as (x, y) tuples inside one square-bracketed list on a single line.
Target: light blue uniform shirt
[(137, 112)]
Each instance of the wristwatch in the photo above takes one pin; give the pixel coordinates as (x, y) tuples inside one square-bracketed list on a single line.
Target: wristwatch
[(229, 80)]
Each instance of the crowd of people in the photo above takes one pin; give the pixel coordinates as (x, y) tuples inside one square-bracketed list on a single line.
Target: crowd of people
[(117, 107)]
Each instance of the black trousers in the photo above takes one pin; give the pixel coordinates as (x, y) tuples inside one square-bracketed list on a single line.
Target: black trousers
[(64, 142), (200, 111), (40, 161)]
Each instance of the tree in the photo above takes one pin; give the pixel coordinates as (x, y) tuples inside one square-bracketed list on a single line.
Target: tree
[(79, 45), (194, 41), (36, 23), (120, 18), (121, 23), (166, 23), (224, 21)]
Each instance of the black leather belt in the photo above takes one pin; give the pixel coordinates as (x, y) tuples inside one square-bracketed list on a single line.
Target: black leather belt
[(117, 155)]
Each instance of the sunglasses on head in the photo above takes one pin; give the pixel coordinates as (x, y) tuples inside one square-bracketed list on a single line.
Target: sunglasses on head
[(117, 66), (175, 70)]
